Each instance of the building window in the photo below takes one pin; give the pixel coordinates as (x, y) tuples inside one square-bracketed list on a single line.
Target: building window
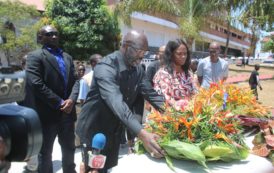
[(234, 35)]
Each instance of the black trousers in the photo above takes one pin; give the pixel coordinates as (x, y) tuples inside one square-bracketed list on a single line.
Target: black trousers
[(64, 129)]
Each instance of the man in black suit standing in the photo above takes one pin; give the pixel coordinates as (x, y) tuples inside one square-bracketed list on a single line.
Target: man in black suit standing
[(51, 74)]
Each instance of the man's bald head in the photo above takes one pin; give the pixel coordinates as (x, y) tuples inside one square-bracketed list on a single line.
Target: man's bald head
[(135, 38), (214, 50), (162, 48), (134, 47), (214, 45), (48, 35)]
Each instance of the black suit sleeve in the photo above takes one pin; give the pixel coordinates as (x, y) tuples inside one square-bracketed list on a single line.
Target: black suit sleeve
[(110, 93), (75, 91), (76, 87), (150, 73), (34, 72)]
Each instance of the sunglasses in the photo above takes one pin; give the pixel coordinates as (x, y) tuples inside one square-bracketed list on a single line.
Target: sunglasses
[(51, 34)]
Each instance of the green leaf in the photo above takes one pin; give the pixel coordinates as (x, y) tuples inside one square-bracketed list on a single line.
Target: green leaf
[(184, 150), (169, 163)]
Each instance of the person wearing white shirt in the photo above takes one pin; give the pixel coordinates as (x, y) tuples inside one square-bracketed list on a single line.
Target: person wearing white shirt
[(212, 69), (93, 60)]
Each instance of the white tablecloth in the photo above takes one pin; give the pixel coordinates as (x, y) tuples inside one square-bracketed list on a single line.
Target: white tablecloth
[(145, 164), (134, 163)]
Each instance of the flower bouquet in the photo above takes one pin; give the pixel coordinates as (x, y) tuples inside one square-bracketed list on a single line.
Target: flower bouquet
[(208, 127)]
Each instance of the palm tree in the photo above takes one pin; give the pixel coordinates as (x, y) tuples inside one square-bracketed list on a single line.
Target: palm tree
[(187, 14), (225, 9), (193, 15), (167, 9)]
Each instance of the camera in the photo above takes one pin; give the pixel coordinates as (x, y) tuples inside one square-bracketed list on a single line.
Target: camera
[(20, 127)]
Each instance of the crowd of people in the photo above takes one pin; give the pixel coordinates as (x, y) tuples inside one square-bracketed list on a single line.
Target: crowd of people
[(111, 96)]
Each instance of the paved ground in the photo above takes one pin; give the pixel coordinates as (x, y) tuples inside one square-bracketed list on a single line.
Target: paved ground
[(18, 167)]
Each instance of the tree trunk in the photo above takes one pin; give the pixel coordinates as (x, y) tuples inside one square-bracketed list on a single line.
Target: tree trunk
[(227, 38), (189, 42), (253, 43)]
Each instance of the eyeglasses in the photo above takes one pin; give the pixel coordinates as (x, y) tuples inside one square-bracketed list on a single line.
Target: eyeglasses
[(50, 34), (139, 51), (212, 51)]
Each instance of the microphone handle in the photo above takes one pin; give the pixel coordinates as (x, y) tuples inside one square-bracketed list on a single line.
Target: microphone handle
[(96, 151), (85, 157)]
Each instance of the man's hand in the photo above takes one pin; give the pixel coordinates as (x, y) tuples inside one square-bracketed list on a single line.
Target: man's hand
[(67, 106), (82, 169), (150, 143)]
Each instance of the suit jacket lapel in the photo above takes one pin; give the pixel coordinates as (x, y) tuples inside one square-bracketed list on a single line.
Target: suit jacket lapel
[(52, 60), (67, 64)]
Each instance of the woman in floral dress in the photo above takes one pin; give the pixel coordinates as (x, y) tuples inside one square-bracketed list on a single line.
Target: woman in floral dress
[(174, 80)]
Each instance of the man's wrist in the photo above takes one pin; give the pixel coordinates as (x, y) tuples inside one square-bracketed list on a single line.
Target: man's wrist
[(141, 134), (60, 104)]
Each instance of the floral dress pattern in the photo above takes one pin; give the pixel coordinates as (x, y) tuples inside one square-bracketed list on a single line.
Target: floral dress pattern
[(176, 87)]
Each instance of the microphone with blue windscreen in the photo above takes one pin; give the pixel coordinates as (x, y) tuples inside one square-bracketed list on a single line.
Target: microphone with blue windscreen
[(98, 141), (96, 159)]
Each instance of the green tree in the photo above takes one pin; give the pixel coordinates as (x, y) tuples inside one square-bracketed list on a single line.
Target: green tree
[(258, 15), (269, 45), (86, 26), (17, 31)]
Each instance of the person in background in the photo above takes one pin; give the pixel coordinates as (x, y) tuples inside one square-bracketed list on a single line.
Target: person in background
[(55, 88), (193, 69), (117, 81), (254, 80), (81, 69), (93, 60), (212, 69), (83, 88), (194, 66), (243, 62), (173, 80), (154, 66)]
